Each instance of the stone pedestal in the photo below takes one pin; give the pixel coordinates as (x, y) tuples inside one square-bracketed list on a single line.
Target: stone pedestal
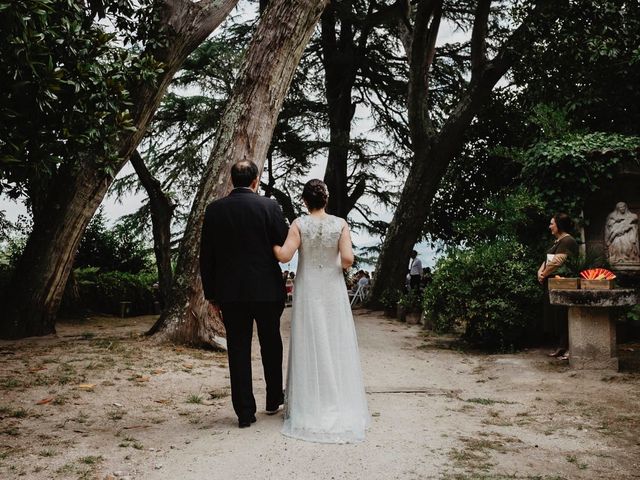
[(592, 330), (592, 339)]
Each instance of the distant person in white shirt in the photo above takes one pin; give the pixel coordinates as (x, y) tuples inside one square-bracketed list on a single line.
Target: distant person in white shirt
[(364, 280), (415, 271)]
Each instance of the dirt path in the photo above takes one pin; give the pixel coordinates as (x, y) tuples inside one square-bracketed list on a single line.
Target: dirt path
[(117, 407)]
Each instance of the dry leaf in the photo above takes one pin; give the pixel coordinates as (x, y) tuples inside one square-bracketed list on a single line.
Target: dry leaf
[(142, 379), (158, 371), (45, 401), (87, 386), (164, 401), (36, 369), (187, 365)]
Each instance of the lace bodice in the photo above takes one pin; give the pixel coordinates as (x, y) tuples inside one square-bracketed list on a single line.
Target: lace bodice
[(319, 241)]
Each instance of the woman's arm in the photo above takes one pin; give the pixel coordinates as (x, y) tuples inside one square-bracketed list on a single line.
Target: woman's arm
[(554, 264), (345, 247), (285, 252)]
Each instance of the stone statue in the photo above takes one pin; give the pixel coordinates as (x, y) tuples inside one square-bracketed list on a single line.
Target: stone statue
[(621, 236)]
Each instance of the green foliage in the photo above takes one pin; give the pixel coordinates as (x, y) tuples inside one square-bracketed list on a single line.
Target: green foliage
[(390, 298), (632, 314), (588, 66), (116, 249), (576, 264), (102, 292), (566, 170), (514, 216), (66, 78), (581, 78), (489, 291), (411, 300)]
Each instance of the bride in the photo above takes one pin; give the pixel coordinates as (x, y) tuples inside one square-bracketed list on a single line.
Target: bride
[(325, 398)]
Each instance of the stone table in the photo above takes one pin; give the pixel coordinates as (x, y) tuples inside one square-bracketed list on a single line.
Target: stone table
[(592, 328)]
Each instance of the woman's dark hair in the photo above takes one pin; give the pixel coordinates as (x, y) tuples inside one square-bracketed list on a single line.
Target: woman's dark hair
[(563, 222), (243, 173), (315, 194)]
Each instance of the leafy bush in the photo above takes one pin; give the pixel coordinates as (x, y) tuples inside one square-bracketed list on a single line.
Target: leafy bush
[(103, 292), (389, 299), (111, 249), (411, 301), (489, 291)]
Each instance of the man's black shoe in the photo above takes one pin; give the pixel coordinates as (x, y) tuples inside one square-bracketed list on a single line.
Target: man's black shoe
[(273, 409), (246, 423)]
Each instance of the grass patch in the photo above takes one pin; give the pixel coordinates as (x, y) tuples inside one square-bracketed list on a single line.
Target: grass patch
[(194, 398), (11, 431), (9, 383), (90, 459), (66, 468), (115, 415), (7, 411), (219, 393)]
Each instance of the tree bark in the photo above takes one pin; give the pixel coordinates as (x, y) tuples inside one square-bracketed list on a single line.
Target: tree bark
[(244, 133), (434, 150), (339, 59), (162, 208), (343, 56), (31, 302)]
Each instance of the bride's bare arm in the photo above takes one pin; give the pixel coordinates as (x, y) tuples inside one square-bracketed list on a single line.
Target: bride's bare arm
[(285, 252), (345, 247)]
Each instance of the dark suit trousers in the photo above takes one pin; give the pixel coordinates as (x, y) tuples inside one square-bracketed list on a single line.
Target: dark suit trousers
[(238, 320)]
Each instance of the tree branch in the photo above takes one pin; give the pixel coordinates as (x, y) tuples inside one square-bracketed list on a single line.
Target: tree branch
[(425, 35), (479, 38)]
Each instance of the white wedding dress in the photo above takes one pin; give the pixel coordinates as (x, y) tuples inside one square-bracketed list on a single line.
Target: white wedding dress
[(325, 398)]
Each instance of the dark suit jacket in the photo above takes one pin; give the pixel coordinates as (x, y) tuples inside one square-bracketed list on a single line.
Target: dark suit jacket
[(236, 257)]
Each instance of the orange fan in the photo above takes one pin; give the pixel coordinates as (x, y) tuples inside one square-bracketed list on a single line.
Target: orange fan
[(597, 274)]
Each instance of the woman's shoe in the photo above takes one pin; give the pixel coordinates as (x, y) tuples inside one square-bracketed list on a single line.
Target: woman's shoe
[(565, 356)]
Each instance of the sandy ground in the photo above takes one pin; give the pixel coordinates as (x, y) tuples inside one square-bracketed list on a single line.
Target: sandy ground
[(115, 406)]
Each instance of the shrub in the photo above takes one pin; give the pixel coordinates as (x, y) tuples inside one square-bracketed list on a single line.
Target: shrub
[(490, 291), (389, 299), (103, 291)]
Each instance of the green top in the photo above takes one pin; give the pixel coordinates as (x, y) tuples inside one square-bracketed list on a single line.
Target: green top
[(566, 245)]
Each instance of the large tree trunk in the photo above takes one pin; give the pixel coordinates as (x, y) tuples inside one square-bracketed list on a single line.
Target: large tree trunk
[(434, 150), (244, 133), (162, 208), (339, 59), (343, 56), (31, 302)]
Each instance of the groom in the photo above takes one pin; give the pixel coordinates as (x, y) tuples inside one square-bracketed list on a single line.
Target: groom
[(240, 274)]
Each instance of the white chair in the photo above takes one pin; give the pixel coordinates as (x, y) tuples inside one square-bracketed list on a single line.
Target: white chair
[(360, 294)]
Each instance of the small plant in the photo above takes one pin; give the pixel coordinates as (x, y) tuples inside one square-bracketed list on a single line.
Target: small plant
[(115, 415), (574, 265), (90, 460), (389, 298), (194, 398), (411, 301), (9, 383)]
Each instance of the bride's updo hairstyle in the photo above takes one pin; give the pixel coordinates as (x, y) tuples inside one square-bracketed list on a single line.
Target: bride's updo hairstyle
[(315, 194)]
